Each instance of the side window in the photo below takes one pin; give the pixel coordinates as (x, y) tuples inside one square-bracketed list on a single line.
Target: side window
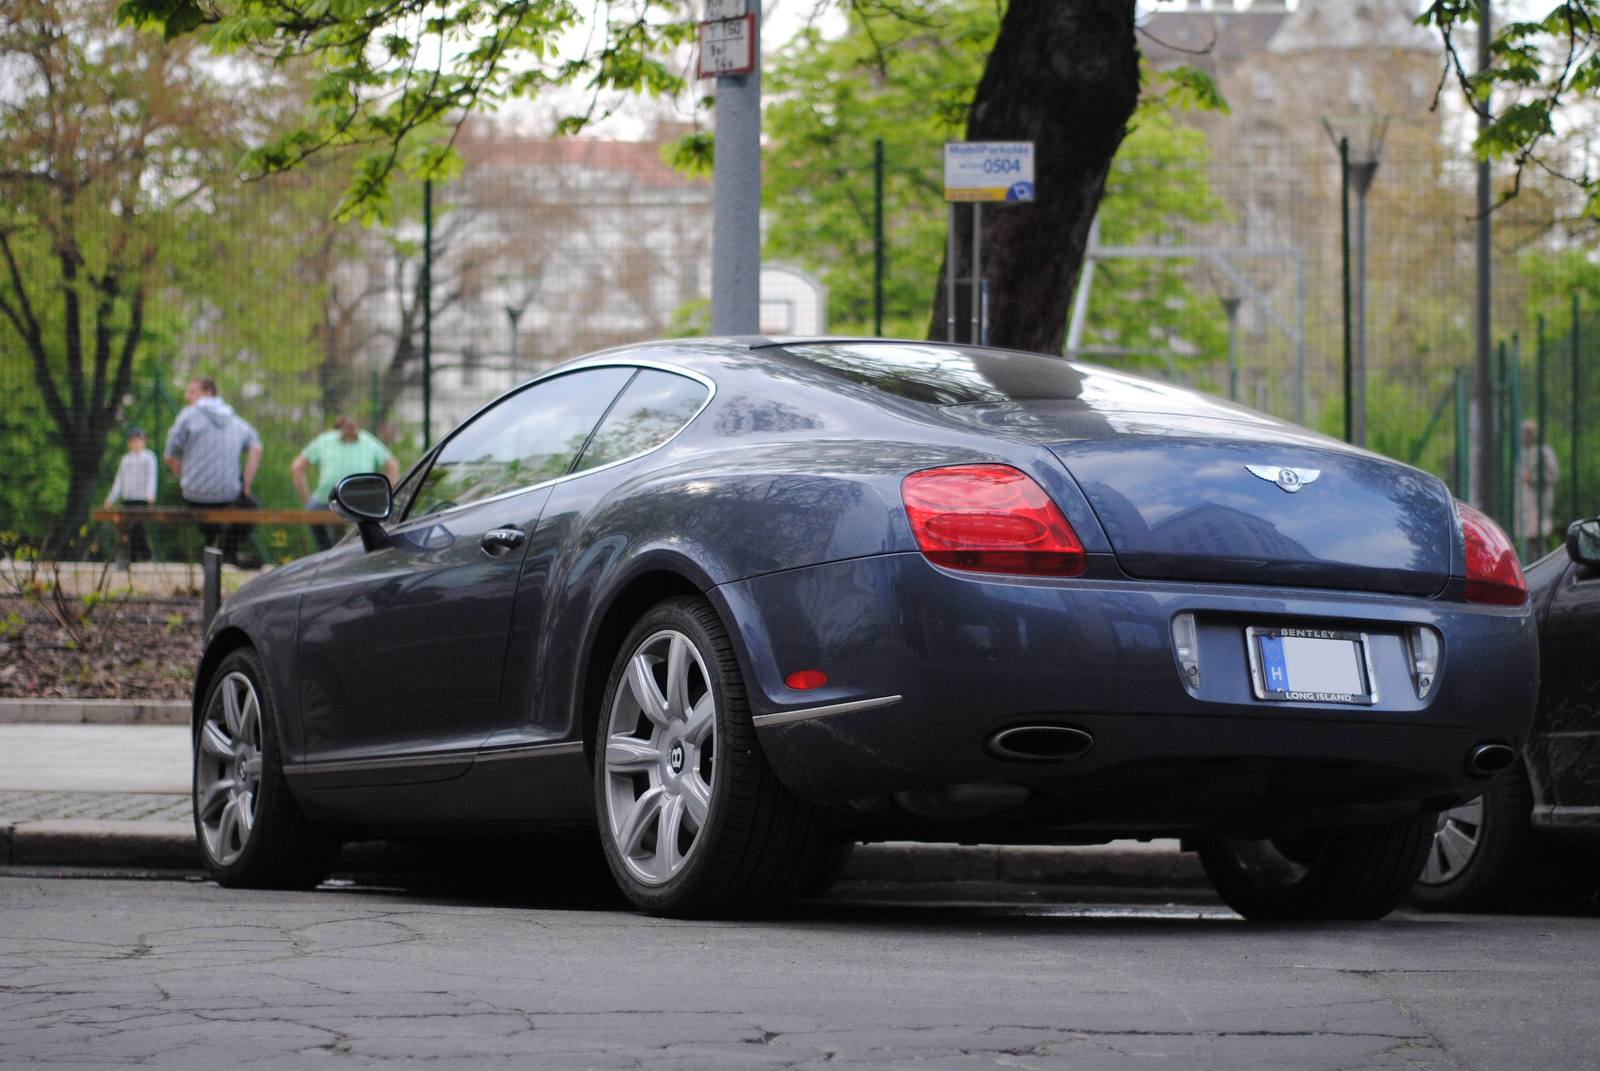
[(530, 437), (651, 411)]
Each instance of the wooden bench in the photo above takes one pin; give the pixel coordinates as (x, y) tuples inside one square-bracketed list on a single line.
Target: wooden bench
[(125, 516)]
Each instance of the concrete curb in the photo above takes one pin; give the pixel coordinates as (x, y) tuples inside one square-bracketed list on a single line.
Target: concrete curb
[(171, 846), (89, 843), (1157, 864), (94, 712)]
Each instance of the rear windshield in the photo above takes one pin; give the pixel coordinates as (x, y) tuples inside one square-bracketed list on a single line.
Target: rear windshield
[(945, 375)]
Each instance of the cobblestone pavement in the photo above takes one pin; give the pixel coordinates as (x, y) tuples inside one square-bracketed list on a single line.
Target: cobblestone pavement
[(18, 806), (175, 974)]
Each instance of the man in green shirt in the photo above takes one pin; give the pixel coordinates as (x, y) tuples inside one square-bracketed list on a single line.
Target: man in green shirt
[(343, 451)]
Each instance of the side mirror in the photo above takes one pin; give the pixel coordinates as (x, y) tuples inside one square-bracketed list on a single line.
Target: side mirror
[(1583, 542), (365, 499)]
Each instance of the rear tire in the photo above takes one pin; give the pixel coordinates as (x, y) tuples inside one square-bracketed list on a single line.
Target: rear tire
[(1351, 872), (693, 820), (251, 832), (1482, 853)]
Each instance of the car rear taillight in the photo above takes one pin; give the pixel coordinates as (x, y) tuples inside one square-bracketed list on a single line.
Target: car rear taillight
[(990, 519), (1493, 574)]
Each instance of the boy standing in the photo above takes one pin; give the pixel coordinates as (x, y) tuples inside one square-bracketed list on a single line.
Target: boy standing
[(135, 485)]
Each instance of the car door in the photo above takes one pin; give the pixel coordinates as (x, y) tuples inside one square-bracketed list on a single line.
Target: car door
[(1569, 689), (654, 408), (402, 648)]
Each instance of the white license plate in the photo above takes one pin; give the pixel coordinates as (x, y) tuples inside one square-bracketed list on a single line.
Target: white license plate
[(1310, 665)]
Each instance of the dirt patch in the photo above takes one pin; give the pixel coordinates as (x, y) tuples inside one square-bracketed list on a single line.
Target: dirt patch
[(133, 648)]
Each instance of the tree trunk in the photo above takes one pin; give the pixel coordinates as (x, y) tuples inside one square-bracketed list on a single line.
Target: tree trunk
[(1063, 74)]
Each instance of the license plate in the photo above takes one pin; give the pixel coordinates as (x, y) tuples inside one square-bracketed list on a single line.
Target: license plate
[(1310, 665)]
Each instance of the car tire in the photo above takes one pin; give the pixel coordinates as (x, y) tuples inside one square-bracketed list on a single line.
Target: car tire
[(250, 831), (1351, 872), (693, 820), (1481, 853)]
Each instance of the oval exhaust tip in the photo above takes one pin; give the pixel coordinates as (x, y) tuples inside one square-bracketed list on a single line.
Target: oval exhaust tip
[(1486, 760), (1039, 743)]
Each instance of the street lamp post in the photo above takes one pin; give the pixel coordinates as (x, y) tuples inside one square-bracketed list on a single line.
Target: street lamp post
[(1230, 306), (514, 314), (1359, 140)]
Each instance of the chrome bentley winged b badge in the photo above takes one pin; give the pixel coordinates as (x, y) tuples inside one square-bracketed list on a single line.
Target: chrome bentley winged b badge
[(1289, 479)]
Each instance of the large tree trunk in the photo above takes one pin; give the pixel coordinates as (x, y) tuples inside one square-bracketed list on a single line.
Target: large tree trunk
[(1063, 74)]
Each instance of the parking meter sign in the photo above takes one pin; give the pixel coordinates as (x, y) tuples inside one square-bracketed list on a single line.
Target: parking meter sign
[(728, 47), (988, 171), (718, 10)]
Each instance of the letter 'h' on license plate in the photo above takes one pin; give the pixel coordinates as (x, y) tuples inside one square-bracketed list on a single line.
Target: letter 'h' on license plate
[(1306, 665)]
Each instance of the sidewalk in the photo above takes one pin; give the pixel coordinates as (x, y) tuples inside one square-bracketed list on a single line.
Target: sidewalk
[(116, 796)]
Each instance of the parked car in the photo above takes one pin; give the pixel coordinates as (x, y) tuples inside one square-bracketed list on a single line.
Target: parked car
[(740, 603), (1546, 809)]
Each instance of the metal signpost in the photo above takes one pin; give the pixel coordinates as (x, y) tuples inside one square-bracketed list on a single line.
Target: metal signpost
[(975, 172), (730, 52)]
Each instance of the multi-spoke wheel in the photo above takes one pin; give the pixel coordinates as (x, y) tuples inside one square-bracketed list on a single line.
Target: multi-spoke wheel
[(693, 820), (1455, 840), (1351, 872), (251, 832), (660, 756), (1483, 851), (227, 778)]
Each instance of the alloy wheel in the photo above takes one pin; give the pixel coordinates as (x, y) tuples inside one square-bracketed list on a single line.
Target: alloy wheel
[(1455, 841), (227, 780), (659, 755)]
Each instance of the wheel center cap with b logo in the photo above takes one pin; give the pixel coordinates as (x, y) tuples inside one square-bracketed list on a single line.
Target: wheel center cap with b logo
[(675, 758)]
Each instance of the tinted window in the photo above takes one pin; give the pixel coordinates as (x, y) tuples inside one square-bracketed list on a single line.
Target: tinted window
[(650, 412), (530, 437), (946, 375)]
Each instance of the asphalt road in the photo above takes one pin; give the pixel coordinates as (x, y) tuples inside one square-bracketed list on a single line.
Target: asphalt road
[(183, 974)]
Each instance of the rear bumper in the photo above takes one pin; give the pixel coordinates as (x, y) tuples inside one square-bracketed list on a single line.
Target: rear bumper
[(971, 654)]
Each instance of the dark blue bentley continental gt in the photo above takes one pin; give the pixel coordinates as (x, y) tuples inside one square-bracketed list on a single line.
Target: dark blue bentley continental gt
[(742, 603)]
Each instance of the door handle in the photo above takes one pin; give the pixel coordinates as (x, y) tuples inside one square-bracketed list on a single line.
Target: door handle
[(498, 541)]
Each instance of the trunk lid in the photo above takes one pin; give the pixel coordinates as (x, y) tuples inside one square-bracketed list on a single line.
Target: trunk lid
[(1225, 497)]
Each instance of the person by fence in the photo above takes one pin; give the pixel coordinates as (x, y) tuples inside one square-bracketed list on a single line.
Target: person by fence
[(345, 450), (203, 450), (135, 485)]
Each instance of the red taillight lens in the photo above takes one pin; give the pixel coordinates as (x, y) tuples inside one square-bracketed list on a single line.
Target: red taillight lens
[(1493, 574), (990, 519)]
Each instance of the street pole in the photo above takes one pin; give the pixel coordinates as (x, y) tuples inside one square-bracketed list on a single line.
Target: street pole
[(1230, 306), (976, 338), (877, 237), (1463, 435), (1572, 465), (950, 276), (1361, 176), (427, 313), (515, 315), (1344, 227), (736, 193), (1538, 503), (1488, 453)]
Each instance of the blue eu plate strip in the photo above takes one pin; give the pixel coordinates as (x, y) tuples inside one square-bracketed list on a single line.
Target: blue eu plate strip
[(1274, 673)]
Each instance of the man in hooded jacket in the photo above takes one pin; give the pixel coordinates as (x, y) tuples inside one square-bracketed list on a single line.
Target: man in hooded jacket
[(203, 450)]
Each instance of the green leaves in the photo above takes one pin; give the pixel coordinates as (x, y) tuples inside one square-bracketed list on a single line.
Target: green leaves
[(395, 76), (1538, 91)]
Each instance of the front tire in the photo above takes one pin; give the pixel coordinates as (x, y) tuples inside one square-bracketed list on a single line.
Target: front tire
[(251, 832), (693, 820), (1352, 872), (1481, 853)]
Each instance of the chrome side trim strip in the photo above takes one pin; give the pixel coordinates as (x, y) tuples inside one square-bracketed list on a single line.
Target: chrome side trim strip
[(388, 763), (448, 759), (784, 717), (573, 748)]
